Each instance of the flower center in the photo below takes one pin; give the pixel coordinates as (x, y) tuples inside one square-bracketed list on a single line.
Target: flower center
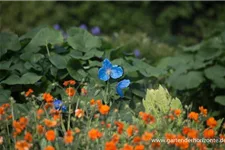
[(108, 71)]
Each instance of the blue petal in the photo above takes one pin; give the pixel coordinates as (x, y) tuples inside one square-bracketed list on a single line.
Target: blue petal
[(106, 64), (123, 84), (102, 74), (57, 104), (64, 108), (116, 72)]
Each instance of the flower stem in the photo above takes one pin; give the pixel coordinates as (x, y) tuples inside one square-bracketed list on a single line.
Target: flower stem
[(68, 121)]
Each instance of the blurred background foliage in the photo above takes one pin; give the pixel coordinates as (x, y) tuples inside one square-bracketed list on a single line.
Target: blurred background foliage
[(173, 22)]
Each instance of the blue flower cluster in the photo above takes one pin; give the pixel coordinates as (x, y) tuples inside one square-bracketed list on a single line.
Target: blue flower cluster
[(94, 30), (58, 104), (114, 71)]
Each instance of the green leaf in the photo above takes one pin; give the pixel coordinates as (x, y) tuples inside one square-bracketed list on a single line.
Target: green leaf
[(5, 65), (27, 78), (75, 69), (220, 100), (8, 41), (42, 38), (208, 54), (82, 40), (76, 54), (183, 81), (58, 61), (4, 96), (32, 57), (21, 109)]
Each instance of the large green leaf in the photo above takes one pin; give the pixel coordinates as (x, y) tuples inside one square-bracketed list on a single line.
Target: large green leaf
[(75, 69), (216, 73), (43, 37), (5, 65), (58, 61), (4, 96), (184, 81), (8, 41), (220, 100), (81, 40), (27, 78)]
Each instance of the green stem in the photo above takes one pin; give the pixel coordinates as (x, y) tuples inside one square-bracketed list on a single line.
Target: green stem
[(9, 142), (62, 125), (47, 48), (107, 92), (68, 121)]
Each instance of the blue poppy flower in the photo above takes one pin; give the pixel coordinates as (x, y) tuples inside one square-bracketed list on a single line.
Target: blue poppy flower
[(64, 108), (83, 26), (56, 27), (57, 104), (121, 85), (108, 70), (137, 53), (95, 30)]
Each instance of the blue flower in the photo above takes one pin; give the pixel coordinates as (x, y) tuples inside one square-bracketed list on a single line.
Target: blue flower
[(64, 108), (137, 53), (59, 104), (83, 26), (108, 70), (56, 26), (121, 85), (95, 30)]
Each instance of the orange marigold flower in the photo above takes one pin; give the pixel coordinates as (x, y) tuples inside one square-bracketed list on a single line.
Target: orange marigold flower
[(79, 113), (155, 145), (147, 136), (120, 126), (193, 115), (201, 146), (39, 113), (50, 123), (137, 139), (84, 91), (50, 135), (28, 137), (177, 112), (115, 138), (22, 145), (92, 102), (49, 148), (181, 142), (69, 82), (40, 129), (94, 134), (70, 91), (211, 122), (48, 97), (171, 138), (139, 147), (147, 118), (68, 137), (209, 133), (29, 92), (203, 110), (110, 146), (185, 130), (127, 147), (192, 133), (131, 129), (104, 109)]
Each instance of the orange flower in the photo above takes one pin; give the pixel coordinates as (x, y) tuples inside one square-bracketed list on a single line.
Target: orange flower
[(68, 137), (20, 125), (131, 129), (155, 145), (99, 103), (104, 109), (171, 138), (137, 139), (79, 113), (28, 137), (55, 113), (177, 112), (201, 146), (222, 138), (185, 130), (203, 111), (209, 133), (193, 115), (29, 92), (127, 147), (92, 102), (192, 133), (110, 146), (69, 82), (48, 97), (70, 91), (50, 135), (115, 138), (147, 118), (39, 113), (49, 148), (94, 134), (50, 123), (84, 91), (139, 147), (77, 130), (181, 142), (147, 136), (22, 145), (120, 126), (211, 122), (171, 117), (48, 105), (40, 129)]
